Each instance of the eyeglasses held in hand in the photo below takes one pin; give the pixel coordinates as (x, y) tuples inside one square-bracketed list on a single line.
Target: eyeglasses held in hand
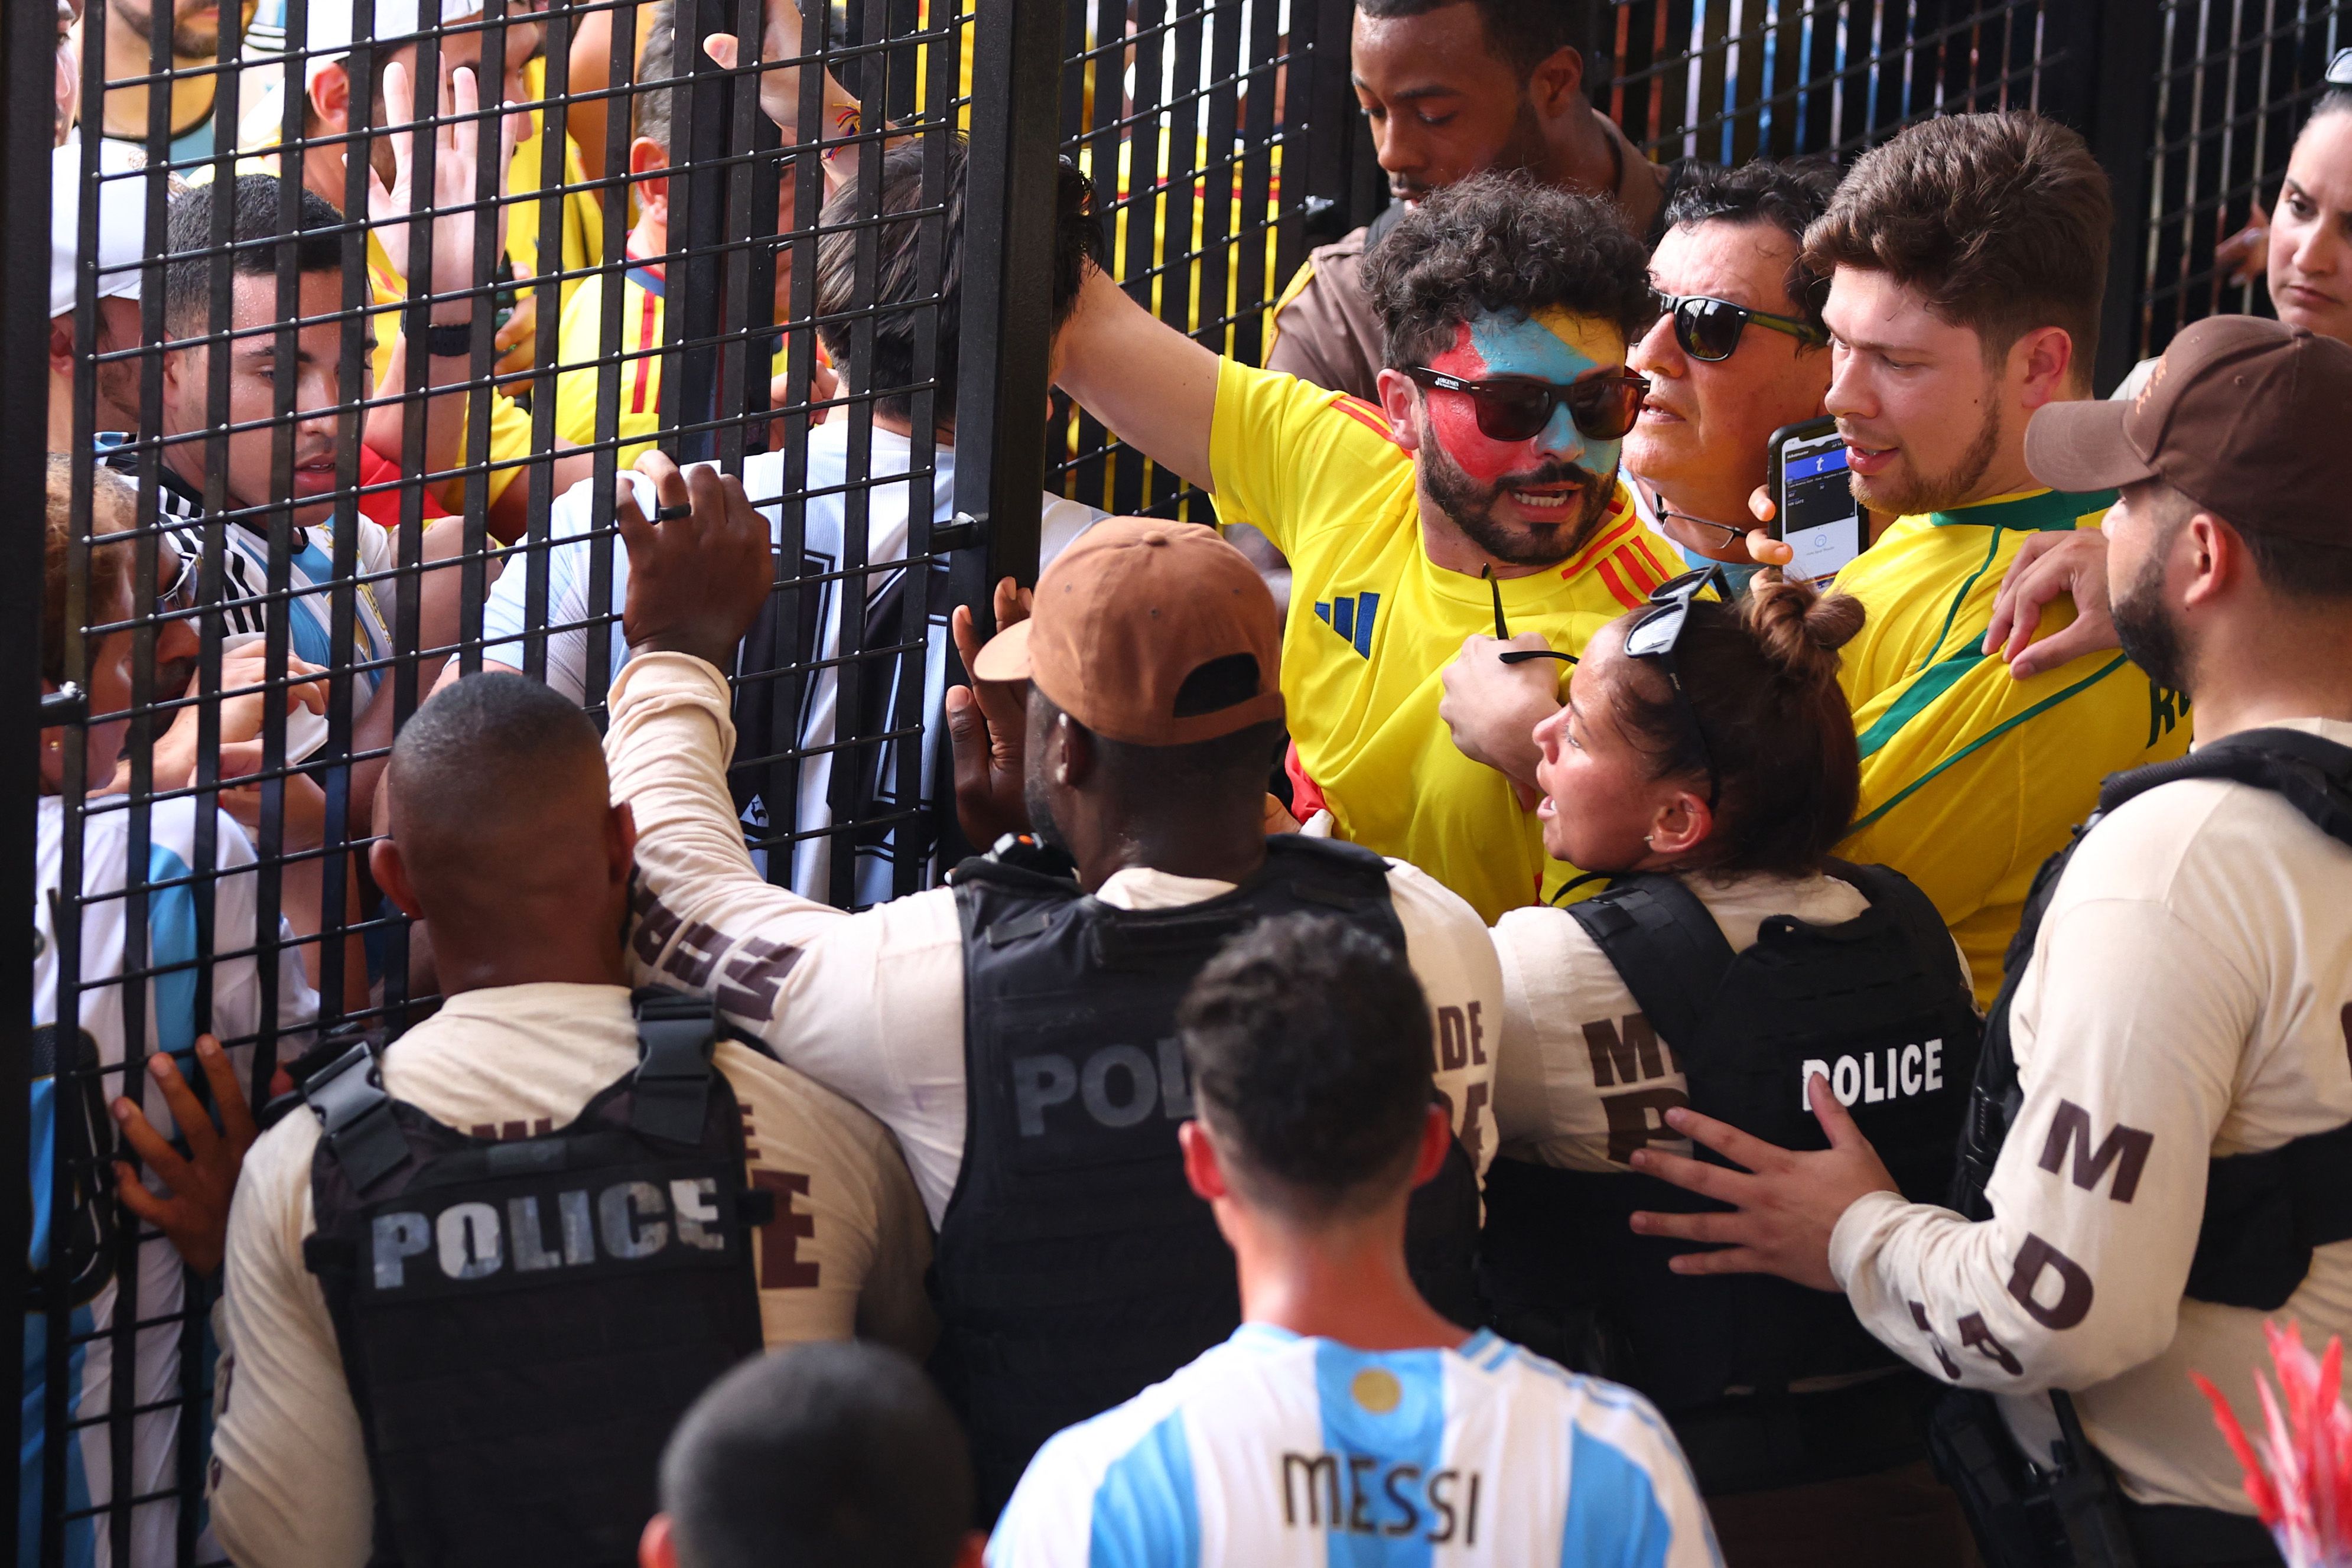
[(1503, 632), (1653, 636), (1709, 329), (1603, 406)]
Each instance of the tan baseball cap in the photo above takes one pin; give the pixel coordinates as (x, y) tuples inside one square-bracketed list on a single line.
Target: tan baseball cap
[(2245, 416), (1157, 634)]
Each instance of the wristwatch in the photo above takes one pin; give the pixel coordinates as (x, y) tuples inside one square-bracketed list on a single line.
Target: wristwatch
[(442, 340)]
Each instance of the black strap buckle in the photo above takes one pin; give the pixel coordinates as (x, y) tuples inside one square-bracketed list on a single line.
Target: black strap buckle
[(355, 1117), (676, 1036)]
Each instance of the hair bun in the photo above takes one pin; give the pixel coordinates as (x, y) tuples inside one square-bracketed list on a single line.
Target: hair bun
[(1801, 629)]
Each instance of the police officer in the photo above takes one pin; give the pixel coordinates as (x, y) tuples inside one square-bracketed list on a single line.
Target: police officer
[(2165, 1089), (1017, 1029), (473, 1284), (1730, 958)]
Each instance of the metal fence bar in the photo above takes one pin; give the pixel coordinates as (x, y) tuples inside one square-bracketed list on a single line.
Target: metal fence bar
[(1223, 140)]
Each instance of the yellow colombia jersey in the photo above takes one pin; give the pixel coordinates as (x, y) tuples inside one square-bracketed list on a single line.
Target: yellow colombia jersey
[(1374, 623), (638, 380), (1969, 779), (580, 213)]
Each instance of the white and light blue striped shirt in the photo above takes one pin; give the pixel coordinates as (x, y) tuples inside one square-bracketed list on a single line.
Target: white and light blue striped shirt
[(169, 874), (1287, 1452)]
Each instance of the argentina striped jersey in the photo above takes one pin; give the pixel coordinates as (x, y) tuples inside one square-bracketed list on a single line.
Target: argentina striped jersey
[(77, 1073), (1290, 1452)]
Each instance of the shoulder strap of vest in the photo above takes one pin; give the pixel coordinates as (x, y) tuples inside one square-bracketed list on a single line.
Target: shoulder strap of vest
[(355, 1119), (1914, 913), (1665, 947), (675, 1035), (1327, 870), (2313, 774)]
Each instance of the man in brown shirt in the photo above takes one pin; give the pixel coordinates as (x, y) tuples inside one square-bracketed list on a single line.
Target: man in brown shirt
[(1454, 87)]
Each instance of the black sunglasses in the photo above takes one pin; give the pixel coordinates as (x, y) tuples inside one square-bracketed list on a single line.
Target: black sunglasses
[(1709, 329), (1603, 406), (1653, 635)]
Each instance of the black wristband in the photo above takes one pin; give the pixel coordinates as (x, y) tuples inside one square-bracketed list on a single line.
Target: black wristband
[(445, 340)]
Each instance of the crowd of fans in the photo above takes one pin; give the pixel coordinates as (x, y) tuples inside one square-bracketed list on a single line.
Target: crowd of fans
[(1511, 1053)]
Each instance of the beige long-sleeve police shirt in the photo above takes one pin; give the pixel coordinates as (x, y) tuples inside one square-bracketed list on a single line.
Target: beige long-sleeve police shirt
[(289, 1482), (2189, 996), (872, 1004)]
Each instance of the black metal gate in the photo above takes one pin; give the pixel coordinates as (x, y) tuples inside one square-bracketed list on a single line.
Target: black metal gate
[(900, 437)]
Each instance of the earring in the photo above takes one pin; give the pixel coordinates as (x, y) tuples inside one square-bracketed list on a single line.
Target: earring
[(1651, 839)]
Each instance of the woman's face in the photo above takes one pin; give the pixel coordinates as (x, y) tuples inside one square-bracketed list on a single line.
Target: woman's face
[(2311, 231), (1600, 803)]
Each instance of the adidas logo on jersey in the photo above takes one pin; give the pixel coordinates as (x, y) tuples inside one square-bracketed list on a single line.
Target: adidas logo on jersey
[(1352, 618), (1898, 1072)]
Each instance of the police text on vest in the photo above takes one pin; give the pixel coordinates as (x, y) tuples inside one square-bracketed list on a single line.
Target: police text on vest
[(1898, 1072)]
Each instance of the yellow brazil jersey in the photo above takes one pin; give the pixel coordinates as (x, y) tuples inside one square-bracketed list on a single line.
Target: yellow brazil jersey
[(1374, 623), (637, 378), (1970, 779)]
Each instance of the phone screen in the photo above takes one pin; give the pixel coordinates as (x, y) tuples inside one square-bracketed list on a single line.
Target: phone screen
[(1818, 515)]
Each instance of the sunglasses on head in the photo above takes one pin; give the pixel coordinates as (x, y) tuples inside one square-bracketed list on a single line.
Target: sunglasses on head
[(1654, 632), (1709, 329), (1603, 406)]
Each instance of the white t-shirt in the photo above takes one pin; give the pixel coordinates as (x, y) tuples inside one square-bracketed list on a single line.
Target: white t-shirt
[(872, 1004), (289, 1482), (1284, 1452), (1581, 1081), (167, 946), (2189, 996), (572, 619)]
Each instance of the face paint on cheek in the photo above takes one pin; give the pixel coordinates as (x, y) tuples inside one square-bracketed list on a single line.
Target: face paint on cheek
[(1454, 417), (1553, 345)]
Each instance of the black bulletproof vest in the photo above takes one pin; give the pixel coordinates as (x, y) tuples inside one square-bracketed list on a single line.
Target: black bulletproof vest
[(1075, 1268), (2263, 1212), (1879, 1005), (521, 1323)]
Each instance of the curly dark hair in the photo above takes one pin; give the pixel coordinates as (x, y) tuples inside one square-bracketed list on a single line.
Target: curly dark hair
[(1502, 243), (1309, 1041), (1787, 194)]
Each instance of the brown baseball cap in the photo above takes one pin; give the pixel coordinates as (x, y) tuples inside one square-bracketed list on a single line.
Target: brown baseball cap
[(1158, 634), (2245, 416)]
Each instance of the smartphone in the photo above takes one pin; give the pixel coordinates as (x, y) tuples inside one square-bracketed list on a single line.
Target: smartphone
[(1816, 512)]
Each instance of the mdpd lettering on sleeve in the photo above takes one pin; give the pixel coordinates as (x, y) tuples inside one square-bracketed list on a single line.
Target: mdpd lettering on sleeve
[(572, 1225)]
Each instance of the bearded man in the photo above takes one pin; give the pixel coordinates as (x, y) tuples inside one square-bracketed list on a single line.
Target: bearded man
[(1482, 487)]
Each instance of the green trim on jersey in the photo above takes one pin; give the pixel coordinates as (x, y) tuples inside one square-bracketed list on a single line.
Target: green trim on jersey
[(2051, 511), (1899, 797)]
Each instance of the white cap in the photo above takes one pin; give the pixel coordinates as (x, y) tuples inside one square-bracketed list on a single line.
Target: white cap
[(121, 224), (330, 26)]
